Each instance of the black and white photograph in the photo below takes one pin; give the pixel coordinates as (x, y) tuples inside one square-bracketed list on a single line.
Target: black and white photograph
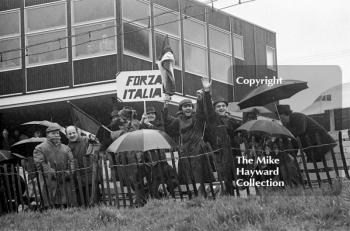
[(179, 115)]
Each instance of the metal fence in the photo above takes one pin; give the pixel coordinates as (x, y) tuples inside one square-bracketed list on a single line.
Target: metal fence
[(130, 179)]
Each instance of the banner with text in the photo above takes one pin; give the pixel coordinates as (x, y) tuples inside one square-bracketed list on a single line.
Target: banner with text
[(139, 86)]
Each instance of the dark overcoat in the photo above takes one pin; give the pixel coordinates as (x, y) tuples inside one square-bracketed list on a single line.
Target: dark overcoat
[(303, 126), (194, 163)]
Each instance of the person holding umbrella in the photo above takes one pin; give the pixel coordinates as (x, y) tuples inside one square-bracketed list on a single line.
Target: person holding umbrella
[(149, 120), (306, 128), (49, 157)]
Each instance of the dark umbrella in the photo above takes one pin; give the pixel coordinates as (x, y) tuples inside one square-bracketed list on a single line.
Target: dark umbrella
[(141, 140), (45, 124), (265, 94), (6, 156), (266, 127), (26, 147)]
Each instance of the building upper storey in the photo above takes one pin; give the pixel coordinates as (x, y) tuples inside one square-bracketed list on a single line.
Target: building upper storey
[(49, 44)]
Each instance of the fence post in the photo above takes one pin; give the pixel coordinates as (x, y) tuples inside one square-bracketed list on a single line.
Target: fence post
[(112, 167), (19, 185), (9, 199), (342, 154), (14, 187), (318, 139), (107, 179), (313, 159), (304, 162), (177, 175)]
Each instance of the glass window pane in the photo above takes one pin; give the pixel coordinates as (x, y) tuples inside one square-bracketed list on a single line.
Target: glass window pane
[(9, 23), (136, 10), (13, 58), (270, 57), (105, 39), (194, 31), (44, 17), (195, 59), (238, 47), (48, 51), (219, 41), (174, 44), (86, 10), (136, 40), (221, 67), (166, 21)]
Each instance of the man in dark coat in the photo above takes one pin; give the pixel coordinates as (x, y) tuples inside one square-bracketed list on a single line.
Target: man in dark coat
[(220, 134), (308, 130), (79, 146), (193, 166), (49, 157)]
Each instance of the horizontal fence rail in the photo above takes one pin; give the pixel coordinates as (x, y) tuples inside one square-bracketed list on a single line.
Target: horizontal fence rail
[(129, 179)]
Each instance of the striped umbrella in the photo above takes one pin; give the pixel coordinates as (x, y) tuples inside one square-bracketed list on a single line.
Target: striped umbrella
[(141, 140)]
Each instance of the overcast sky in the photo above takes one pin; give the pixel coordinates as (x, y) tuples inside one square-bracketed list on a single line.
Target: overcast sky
[(309, 32)]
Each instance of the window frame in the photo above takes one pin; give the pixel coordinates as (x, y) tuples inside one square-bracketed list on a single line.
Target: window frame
[(46, 62), (13, 36), (233, 44), (98, 54), (206, 59), (188, 18), (225, 32), (46, 31), (273, 67), (92, 23), (211, 74), (173, 13)]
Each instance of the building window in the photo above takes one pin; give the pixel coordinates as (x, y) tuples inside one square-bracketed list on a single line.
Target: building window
[(137, 34), (137, 40), (94, 28), (89, 10), (174, 44), (221, 67), (46, 33), (270, 58), (136, 11), (195, 59), (220, 40), (166, 21), (195, 32), (10, 40), (238, 47)]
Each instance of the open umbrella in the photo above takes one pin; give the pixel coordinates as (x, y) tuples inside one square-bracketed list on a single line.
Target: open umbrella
[(265, 94), (26, 147), (45, 124), (6, 156), (141, 140), (257, 109), (266, 127)]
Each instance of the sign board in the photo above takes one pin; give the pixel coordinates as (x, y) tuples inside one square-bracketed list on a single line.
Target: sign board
[(135, 86)]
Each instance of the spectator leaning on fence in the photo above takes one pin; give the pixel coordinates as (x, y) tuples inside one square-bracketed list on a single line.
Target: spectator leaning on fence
[(79, 146), (49, 157), (307, 130)]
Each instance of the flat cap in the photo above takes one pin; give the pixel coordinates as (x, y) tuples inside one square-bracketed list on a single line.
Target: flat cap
[(53, 128)]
